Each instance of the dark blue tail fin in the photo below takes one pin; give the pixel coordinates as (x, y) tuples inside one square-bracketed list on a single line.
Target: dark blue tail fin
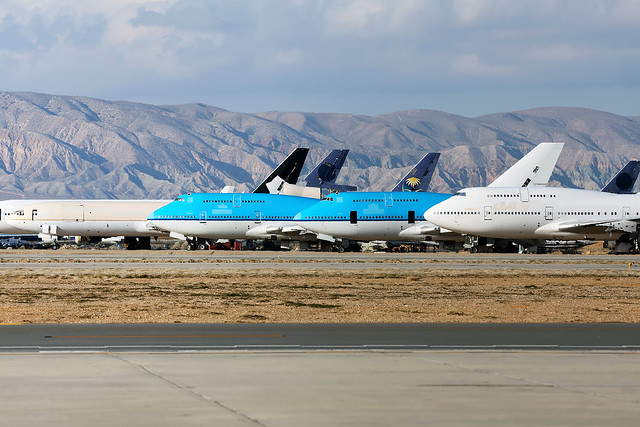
[(325, 174), (289, 170), (624, 181), (419, 177)]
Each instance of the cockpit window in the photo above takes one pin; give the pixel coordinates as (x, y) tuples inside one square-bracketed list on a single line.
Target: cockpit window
[(179, 199)]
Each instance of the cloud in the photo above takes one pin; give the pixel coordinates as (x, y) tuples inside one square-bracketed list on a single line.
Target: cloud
[(558, 52), (470, 65), (354, 54)]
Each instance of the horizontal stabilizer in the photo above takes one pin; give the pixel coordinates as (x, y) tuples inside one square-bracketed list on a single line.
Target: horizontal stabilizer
[(278, 186)]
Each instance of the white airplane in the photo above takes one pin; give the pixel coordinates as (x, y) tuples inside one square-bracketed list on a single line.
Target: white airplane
[(370, 216), (95, 218), (532, 215)]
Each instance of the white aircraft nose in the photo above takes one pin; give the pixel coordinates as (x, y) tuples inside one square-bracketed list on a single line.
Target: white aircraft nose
[(440, 220), (428, 214)]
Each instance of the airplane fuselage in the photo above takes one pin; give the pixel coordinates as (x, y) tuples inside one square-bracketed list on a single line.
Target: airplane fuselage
[(95, 218), (368, 216), (232, 216), (538, 213)]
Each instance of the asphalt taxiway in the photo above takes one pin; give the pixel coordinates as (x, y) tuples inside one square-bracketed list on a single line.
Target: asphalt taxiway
[(255, 260), (343, 336), (291, 375)]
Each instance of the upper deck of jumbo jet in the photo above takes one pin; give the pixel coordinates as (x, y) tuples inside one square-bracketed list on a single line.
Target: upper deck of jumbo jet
[(231, 206), (369, 205)]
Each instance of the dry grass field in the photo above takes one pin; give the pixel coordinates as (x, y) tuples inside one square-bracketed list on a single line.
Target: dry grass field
[(44, 293)]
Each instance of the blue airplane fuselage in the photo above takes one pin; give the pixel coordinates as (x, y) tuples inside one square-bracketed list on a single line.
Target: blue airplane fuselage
[(368, 216), (232, 215)]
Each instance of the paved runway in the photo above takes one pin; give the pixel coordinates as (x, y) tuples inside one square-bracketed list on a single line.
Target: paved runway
[(254, 260), (216, 337), (292, 375)]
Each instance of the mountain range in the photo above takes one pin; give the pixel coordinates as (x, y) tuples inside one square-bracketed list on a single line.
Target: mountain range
[(77, 147)]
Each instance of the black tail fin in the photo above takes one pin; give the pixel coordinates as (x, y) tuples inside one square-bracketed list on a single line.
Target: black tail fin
[(419, 177), (325, 174), (624, 181), (289, 170)]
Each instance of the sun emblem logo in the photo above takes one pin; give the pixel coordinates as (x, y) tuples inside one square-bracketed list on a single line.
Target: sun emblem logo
[(413, 183)]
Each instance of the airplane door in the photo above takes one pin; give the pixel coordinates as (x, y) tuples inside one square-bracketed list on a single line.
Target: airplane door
[(203, 217), (34, 215), (548, 213), (487, 212), (626, 211), (257, 217), (524, 194), (237, 200), (388, 199)]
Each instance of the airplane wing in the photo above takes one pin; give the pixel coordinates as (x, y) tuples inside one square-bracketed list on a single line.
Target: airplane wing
[(624, 180), (420, 175), (534, 169), (284, 231), (289, 170), (577, 226)]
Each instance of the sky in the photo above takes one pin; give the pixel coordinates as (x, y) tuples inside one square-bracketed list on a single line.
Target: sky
[(465, 57)]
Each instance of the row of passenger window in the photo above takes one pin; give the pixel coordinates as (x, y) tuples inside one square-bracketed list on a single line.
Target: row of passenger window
[(379, 200), (328, 217), (231, 201), (224, 217), (458, 213), (518, 195)]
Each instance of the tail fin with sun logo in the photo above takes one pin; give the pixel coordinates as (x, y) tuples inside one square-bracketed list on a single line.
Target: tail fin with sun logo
[(420, 175)]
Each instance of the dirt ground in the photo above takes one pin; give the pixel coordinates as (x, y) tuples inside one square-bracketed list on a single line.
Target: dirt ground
[(42, 294)]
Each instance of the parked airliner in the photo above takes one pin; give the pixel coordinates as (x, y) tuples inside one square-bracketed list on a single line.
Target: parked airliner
[(367, 216), (532, 215), (234, 216), (240, 217)]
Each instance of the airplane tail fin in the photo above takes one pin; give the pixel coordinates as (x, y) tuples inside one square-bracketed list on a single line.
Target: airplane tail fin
[(534, 169), (624, 180), (289, 170), (325, 174), (420, 175)]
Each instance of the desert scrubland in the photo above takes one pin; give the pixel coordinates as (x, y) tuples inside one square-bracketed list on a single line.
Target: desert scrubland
[(40, 291)]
